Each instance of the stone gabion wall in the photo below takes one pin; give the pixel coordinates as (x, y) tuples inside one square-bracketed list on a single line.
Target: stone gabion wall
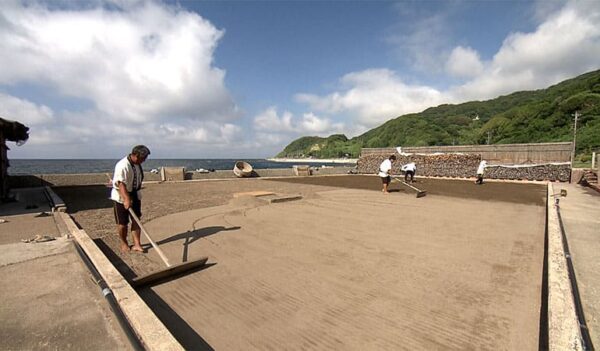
[(553, 172), (509, 154), (465, 166), (434, 165)]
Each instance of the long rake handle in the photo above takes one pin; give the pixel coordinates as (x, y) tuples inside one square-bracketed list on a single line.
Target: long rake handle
[(419, 191), (160, 253), (410, 186), (403, 182)]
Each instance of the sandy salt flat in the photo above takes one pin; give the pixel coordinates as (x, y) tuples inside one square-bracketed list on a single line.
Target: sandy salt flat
[(343, 268)]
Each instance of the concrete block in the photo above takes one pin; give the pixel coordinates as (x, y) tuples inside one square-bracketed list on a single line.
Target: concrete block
[(172, 173), (301, 170)]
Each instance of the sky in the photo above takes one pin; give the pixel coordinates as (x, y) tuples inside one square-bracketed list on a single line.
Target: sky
[(243, 79)]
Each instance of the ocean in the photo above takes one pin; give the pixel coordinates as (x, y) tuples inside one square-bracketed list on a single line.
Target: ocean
[(73, 166)]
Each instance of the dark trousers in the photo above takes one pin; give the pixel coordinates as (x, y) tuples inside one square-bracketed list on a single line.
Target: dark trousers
[(479, 179), (408, 174)]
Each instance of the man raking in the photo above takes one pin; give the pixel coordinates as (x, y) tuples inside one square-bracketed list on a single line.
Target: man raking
[(126, 186), (409, 170), (385, 170)]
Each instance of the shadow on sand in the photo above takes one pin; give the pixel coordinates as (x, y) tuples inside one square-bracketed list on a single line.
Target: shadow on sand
[(191, 236), (119, 264), (96, 197), (185, 334), (181, 330)]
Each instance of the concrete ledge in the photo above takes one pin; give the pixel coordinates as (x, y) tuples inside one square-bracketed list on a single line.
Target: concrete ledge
[(37, 180), (276, 198), (563, 326), (472, 179), (151, 331), (252, 193)]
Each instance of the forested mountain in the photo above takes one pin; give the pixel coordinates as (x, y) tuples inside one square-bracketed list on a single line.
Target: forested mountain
[(523, 117)]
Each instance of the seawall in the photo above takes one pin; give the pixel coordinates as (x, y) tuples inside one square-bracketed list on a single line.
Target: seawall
[(36, 180)]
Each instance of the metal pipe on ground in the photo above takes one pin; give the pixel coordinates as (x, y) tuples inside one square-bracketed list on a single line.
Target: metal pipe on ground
[(112, 302), (585, 334)]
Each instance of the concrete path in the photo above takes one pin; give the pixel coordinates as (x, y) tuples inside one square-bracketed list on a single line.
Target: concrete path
[(580, 212), (47, 299)]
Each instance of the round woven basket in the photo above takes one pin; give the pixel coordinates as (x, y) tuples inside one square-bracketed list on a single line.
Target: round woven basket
[(242, 169)]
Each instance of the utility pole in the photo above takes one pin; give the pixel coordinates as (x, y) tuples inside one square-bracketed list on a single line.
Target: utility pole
[(574, 138)]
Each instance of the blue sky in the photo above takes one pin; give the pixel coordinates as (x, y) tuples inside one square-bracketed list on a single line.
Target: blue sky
[(242, 79)]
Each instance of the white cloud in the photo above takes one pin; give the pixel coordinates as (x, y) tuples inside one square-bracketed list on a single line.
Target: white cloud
[(373, 96), (464, 63), (423, 43), (271, 139), (29, 113), (146, 73), (198, 133), (90, 133), (543, 9), (566, 44), (311, 123), (273, 131), (269, 121), (143, 63)]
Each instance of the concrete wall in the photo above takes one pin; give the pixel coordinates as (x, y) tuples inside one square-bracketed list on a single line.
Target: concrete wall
[(26, 181)]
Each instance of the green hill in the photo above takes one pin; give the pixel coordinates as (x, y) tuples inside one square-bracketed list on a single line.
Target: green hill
[(523, 117)]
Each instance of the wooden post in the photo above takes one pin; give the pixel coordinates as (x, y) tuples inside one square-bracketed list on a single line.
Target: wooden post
[(576, 115), (3, 168)]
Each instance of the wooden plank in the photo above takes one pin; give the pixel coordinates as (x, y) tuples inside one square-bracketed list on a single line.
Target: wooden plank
[(281, 198), (171, 271)]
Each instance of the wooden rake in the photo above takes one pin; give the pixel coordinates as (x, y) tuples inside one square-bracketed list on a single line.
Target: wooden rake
[(420, 193), (171, 270)]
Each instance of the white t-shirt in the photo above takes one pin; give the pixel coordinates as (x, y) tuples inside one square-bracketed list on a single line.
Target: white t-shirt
[(409, 167), (384, 168), (481, 168), (125, 173)]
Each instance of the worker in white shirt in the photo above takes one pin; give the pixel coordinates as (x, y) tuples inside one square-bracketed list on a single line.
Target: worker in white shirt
[(385, 170), (480, 171), (409, 170)]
